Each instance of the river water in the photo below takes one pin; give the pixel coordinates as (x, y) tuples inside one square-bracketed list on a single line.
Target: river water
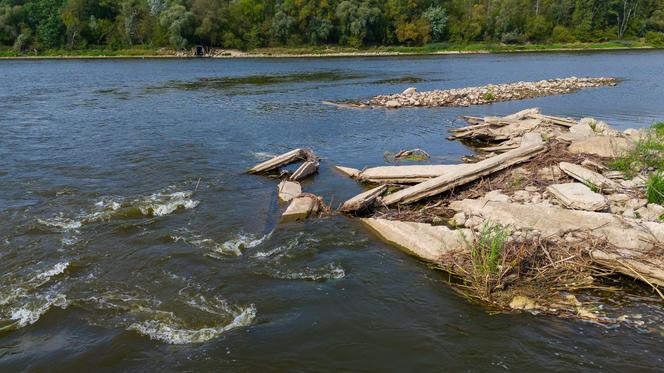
[(131, 239)]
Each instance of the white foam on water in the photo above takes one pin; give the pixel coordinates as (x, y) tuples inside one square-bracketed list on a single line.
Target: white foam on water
[(31, 312), (261, 156), (55, 270), (61, 222), (24, 300), (241, 242), (329, 272), (171, 330), (160, 204), (234, 246)]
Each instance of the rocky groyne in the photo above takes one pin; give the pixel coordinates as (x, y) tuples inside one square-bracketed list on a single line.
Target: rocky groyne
[(486, 94)]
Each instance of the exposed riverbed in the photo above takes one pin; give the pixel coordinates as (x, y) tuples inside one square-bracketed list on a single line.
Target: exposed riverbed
[(131, 238)]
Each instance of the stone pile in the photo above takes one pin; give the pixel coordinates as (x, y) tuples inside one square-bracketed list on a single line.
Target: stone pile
[(487, 94)]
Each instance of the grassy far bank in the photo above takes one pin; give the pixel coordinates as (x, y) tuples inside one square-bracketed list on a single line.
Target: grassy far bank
[(325, 50)]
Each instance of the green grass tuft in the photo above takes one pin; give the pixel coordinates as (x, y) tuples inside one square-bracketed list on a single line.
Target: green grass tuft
[(648, 152), (659, 129), (486, 249), (655, 188)]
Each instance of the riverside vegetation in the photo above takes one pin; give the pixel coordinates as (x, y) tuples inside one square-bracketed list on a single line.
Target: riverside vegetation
[(161, 27)]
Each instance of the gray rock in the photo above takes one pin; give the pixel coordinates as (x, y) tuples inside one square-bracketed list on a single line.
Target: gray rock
[(392, 104), (496, 196)]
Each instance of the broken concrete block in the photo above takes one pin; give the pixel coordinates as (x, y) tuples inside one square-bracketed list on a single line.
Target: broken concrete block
[(363, 200), (556, 221), (431, 243), (301, 208), (289, 190), (280, 160), (307, 168), (466, 174), (581, 130), (588, 177), (348, 171), (578, 196), (603, 146), (406, 174)]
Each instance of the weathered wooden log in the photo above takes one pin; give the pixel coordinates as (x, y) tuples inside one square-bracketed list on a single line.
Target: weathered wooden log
[(307, 168), (466, 174), (363, 200), (280, 160)]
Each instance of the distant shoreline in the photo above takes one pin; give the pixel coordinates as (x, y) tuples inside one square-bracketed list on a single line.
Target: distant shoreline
[(329, 52)]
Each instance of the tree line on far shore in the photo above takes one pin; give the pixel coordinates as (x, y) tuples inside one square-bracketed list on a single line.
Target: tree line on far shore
[(33, 25)]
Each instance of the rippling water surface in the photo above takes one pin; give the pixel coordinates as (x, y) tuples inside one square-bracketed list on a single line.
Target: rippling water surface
[(131, 239)]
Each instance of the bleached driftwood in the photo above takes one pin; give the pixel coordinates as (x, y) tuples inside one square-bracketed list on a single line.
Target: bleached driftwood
[(363, 200), (466, 174)]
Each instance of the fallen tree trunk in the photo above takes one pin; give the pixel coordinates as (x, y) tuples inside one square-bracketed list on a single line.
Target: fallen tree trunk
[(466, 174), (363, 200)]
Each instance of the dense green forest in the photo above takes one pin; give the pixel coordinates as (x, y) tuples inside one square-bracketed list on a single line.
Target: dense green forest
[(34, 25)]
